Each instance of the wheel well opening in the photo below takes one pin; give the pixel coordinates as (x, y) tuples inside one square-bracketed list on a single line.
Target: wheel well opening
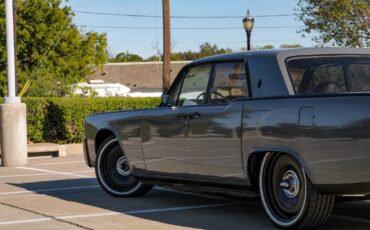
[(101, 136), (254, 166)]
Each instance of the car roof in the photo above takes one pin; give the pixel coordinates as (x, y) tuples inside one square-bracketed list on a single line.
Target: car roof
[(283, 53)]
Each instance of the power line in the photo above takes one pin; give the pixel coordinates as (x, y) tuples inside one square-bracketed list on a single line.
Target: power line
[(178, 16), (132, 20), (59, 36), (200, 42), (185, 28)]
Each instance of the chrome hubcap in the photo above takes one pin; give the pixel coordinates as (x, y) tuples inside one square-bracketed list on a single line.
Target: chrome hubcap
[(290, 184), (122, 167)]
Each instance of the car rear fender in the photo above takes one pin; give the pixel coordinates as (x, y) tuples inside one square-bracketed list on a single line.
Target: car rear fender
[(255, 156)]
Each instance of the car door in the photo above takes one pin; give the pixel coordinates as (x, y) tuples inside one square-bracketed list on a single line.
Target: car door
[(214, 136), (165, 129)]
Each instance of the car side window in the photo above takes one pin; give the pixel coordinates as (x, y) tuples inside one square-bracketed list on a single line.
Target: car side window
[(328, 79), (174, 94), (360, 73), (318, 80), (330, 75), (194, 86), (230, 82)]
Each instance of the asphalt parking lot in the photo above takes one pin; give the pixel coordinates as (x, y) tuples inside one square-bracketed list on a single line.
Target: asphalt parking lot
[(62, 193)]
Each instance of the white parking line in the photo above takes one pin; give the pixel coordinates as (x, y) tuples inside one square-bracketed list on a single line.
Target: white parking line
[(42, 174), (50, 190), (25, 221), (55, 172), (134, 212), (60, 163)]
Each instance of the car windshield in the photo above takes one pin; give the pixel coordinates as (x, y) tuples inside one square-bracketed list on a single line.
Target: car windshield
[(326, 75)]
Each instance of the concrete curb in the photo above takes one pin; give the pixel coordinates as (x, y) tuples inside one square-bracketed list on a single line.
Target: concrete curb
[(73, 149), (55, 150)]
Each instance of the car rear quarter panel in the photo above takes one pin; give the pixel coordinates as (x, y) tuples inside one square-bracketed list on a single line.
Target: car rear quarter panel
[(334, 148)]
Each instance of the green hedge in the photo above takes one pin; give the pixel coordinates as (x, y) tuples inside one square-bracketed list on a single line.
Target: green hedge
[(65, 116), (36, 111), (60, 120)]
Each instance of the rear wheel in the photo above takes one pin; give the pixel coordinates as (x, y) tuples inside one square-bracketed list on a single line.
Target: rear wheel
[(288, 196), (113, 172)]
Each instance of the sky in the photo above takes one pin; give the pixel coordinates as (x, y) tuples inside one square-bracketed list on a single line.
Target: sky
[(146, 41)]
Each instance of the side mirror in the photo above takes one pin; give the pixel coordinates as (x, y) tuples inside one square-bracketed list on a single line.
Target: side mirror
[(165, 98)]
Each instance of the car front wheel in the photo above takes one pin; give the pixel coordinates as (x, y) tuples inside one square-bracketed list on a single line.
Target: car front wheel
[(288, 196), (113, 172)]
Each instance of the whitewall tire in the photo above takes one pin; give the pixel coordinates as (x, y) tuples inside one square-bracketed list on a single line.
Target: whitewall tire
[(113, 172), (288, 197)]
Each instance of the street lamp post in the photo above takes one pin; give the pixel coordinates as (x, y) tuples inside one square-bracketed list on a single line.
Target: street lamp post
[(13, 127), (248, 23)]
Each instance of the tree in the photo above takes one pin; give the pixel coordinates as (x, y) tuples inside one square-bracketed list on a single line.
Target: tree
[(290, 46), (265, 47), (51, 52), (206, 49), (337, 22), (126, 57)]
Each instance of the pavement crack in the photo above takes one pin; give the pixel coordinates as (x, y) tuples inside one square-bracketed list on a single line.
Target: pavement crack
[(45, 215)]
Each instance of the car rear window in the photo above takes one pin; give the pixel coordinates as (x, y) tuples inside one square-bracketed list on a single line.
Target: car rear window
[(328, 75)]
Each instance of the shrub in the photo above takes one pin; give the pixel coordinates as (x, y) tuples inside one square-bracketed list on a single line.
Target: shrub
[(65, 116), (60, 120), (36, 110)]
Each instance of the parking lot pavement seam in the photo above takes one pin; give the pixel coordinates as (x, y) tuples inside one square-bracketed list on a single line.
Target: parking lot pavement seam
[(144, 211), (214, 197), (349, 218), (59, 163), (55, 172), (133, 212), (50, 190), (42, 174), (45, 217), (90, 190), (183, 208)]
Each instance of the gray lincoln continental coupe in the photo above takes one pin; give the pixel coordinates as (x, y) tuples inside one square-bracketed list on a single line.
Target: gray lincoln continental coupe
[(292, 125)]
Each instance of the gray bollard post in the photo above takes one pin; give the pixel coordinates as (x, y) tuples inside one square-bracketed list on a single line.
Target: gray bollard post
[(13, 128)]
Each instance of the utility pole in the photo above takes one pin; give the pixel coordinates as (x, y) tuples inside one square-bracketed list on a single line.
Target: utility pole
[(166, 46)]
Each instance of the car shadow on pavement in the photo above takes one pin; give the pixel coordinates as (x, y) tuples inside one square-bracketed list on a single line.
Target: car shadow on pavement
[(167, 206)]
